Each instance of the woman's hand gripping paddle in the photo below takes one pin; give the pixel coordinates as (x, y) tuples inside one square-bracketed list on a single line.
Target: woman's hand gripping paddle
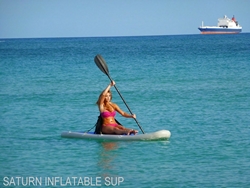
[(101, 64)]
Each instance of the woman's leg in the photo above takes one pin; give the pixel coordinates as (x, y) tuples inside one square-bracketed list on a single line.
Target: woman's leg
[(129, 130), (115, 130)]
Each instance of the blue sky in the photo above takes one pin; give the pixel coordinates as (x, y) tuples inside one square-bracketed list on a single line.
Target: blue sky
[(91, 18)]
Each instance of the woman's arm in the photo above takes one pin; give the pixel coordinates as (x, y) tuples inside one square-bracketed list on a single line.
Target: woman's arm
[(104, 93), (124, 114)]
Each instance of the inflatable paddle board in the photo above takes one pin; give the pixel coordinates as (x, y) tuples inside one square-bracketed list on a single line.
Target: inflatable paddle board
[(159, 135)]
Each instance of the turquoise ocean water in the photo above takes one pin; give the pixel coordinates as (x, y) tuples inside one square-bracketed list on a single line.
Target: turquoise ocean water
[(196, 86)]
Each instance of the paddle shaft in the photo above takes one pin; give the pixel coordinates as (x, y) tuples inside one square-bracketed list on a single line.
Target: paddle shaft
[(125, 102)]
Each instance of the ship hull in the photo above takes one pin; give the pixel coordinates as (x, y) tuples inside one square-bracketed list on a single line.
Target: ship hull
[(219, 30)]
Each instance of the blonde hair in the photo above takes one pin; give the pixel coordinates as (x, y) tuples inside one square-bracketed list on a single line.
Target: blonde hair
[(109, 91), (108, 106)]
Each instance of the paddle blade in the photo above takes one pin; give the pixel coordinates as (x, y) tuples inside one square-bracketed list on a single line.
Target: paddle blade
[(101, 64)]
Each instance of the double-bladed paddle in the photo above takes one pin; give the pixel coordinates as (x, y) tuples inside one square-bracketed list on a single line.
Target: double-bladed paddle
[(101, 64)]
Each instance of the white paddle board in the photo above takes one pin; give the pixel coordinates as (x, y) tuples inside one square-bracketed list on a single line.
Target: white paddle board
[(158, 135)]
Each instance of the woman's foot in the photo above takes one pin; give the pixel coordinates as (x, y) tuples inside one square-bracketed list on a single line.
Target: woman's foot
[(132, 131)]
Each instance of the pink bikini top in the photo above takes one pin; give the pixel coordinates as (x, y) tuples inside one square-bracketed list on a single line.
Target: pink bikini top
[(108, 114)]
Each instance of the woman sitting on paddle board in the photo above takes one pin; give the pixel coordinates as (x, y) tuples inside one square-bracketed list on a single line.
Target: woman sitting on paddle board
[(108, 110)]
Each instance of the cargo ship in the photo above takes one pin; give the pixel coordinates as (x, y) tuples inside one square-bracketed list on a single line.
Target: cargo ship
[(224, 26)]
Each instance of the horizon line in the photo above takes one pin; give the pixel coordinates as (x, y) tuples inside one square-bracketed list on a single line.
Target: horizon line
[(118, 36)]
